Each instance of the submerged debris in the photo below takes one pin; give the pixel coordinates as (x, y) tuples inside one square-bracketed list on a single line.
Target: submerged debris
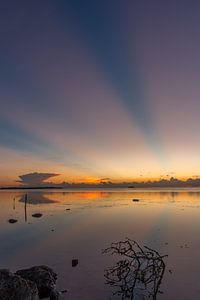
[(37, 215), (139, 272)]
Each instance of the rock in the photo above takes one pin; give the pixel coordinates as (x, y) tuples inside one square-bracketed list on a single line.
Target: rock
[(44, 278), (136, 200), (74, 262), (14, 287), (12, 221), (54, 295), (67, 208), (29, 284), (37, 215)]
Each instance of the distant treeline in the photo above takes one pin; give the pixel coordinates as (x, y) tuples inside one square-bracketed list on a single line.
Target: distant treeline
[(172, 182)]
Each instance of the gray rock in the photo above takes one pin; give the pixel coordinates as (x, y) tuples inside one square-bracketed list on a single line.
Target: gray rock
[(54, 295), (74, 262), (14, 287), (37, 215), (44, 278), (12, 221)]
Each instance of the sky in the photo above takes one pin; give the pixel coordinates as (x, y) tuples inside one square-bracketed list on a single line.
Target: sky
[(99, 89)]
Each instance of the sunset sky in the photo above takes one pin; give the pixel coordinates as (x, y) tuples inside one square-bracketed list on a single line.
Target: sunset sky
[(99, 89)]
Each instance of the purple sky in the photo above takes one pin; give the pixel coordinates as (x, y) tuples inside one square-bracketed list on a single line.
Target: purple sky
[(94, 89)]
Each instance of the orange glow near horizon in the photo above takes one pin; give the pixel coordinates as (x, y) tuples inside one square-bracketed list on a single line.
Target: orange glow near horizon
[(5, 180)]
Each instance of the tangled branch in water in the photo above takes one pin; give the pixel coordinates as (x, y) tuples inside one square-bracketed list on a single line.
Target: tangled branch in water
[(139, 274)]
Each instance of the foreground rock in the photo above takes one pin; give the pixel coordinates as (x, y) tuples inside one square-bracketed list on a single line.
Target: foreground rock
[(28, 284), (14, 287), (44, 278)]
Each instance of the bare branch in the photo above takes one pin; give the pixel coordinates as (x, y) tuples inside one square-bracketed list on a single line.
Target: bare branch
[(138, 274)]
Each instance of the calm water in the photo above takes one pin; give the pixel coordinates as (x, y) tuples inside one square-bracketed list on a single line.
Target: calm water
[(167, 221)]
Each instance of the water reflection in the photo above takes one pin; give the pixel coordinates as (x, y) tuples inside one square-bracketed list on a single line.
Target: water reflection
[(138, 275), (77, 223), (36, 198), (32, 198)]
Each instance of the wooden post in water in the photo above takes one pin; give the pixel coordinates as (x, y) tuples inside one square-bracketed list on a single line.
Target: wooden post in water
[(25, 210), (14, 203)]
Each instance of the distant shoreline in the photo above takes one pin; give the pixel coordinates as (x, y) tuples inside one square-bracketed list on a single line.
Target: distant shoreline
[(30, 188), (99, 187)]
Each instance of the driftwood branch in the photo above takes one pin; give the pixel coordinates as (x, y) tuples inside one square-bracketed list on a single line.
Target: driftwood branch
[(138, 275)]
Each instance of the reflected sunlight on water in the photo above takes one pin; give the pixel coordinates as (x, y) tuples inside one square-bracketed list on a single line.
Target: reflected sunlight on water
[(80, 223)]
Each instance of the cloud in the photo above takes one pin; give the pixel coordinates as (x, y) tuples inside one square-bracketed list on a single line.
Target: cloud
[(35, 178)]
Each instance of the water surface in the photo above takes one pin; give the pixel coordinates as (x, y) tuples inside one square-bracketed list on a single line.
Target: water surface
[(80, 223)]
